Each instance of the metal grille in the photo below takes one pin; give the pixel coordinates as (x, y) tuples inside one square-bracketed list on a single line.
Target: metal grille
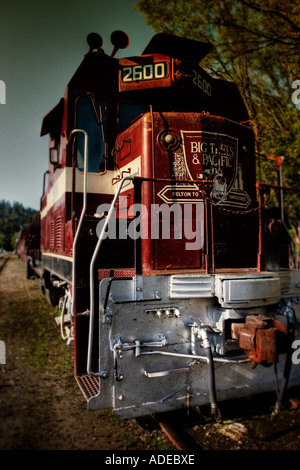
[(118, 272), (88, 385), (191, 286), (59, 235), (52, 234)]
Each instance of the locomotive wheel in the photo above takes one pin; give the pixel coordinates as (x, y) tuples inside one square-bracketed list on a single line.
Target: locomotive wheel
[(52, 293), (51, 296), (30, 272)]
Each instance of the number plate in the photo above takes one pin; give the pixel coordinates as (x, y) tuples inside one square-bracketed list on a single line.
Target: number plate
[(135, 73), (152, 71)]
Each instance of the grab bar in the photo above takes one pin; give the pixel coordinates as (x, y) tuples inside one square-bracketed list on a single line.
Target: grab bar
[(77, 131), (103, 373)]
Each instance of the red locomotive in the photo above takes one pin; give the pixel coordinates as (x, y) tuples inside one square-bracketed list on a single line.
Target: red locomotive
[(172, 276)]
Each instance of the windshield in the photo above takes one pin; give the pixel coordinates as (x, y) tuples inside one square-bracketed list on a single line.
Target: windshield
[(128, 112), (91, 118)]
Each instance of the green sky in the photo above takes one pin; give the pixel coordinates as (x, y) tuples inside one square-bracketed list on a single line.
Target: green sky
[(41, 45)]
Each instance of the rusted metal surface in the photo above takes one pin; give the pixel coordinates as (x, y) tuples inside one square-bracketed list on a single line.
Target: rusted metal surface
[(173, 436), (261, 337), (173, 427)]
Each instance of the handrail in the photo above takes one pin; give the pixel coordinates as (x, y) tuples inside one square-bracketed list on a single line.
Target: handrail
[(263, 187), (44, 180), (83, 211), (92, 283), (275, 186)]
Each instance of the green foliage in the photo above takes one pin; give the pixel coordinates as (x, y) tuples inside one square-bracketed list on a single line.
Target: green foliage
[(256, 45), (13, 218)]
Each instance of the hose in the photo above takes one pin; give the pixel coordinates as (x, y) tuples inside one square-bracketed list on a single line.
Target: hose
[(214, 410)]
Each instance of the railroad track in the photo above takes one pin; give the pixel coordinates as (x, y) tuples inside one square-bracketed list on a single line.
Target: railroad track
[(176, 426), (4, 257), (246, 424), (175, 431)]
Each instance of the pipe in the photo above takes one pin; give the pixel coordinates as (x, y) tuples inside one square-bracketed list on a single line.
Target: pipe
[(286, 374), (211, 376), (279, 165), (198, 358)]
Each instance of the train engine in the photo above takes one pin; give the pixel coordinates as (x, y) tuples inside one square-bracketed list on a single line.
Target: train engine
[(173, 276)]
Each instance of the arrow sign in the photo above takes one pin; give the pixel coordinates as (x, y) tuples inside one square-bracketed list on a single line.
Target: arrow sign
[(181, 193)]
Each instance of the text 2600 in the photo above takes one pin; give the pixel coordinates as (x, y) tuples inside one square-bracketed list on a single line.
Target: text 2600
[(135, 73)]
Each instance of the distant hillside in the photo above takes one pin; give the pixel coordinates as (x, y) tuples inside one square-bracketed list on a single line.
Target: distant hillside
[(13, 218)]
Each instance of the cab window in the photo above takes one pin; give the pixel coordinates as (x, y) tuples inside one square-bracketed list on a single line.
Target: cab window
[(91, 118)]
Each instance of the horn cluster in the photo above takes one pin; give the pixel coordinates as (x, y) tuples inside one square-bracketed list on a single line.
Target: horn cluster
[(119, 40)]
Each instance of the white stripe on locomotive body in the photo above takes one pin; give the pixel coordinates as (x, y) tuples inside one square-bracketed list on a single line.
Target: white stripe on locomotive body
[(97, 183), (57, 255)]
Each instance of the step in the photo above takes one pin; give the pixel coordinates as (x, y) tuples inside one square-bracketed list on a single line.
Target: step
[(88, 385)]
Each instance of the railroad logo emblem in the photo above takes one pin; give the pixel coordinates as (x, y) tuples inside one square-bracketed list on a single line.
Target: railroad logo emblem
[(214, 156)]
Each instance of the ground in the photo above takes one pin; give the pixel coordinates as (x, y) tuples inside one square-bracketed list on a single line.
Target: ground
[(41, 407)]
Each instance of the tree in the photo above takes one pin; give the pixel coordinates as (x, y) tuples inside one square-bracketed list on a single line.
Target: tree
[(256, 45), (13, 218)]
